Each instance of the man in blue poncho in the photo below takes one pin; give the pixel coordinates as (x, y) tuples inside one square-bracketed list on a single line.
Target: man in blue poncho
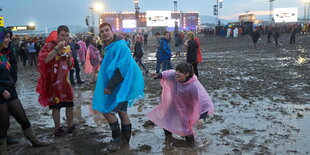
[(119, 84)]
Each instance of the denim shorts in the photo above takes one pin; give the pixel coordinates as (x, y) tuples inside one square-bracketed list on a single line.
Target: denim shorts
[(122, 107)]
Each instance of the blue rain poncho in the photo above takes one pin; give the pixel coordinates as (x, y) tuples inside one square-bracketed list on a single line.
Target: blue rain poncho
[(118, 55)]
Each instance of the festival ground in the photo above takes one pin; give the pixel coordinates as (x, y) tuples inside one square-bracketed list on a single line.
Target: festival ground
[(261, 97)]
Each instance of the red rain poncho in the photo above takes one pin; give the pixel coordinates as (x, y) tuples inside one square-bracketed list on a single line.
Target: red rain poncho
[(53, 84)]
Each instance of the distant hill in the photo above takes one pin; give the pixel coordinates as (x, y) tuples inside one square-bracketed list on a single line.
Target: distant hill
[(73, 29)]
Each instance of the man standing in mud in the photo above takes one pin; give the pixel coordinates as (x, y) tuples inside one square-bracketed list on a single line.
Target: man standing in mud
[(255, 36), (119, 84), (55, 61)]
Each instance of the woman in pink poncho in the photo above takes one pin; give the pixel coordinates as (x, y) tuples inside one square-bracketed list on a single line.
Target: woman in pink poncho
[(92, 59), (82, 51), (184, 102)]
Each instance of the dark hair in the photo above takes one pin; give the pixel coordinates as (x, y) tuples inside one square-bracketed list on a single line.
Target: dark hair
[(105, 24), (185, 68), (62, 28), (166, 32)]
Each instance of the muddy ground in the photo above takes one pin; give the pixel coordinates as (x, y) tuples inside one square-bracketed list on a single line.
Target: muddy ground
[(261, 97)]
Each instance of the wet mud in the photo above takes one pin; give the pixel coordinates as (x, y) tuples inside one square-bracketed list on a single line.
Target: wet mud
[(261, 97)]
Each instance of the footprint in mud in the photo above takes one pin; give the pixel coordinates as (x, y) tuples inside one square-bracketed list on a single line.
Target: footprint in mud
[(225, 132), (144, 148), (299, 115)]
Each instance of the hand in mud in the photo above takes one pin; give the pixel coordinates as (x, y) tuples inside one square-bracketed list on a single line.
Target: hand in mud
[(153, 75), (107, 92), (199, 123), (6, 94)]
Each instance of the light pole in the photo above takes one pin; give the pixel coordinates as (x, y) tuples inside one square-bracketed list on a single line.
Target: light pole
[(270, 9), (137, 8), (306, 11), (98, 8), (92, 16), (176, 27)]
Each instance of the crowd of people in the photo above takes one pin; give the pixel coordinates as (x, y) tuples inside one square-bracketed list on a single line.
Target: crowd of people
[(113, 63)]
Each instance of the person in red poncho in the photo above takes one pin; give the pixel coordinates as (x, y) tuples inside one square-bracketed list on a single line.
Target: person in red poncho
[(55, 61)]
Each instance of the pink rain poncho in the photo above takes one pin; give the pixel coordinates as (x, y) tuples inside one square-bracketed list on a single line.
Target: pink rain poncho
[(82, 50), (181, 105), (92, 59)]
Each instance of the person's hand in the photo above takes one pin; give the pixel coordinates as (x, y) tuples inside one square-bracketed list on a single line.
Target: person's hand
[(107, 92), (153, 75), (61, 45), (6, 94)]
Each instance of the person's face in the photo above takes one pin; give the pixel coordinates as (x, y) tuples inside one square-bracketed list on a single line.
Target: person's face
[(167, 35), (63, 36), (181, 77), (106, 33), (94, 40), (6, 41)]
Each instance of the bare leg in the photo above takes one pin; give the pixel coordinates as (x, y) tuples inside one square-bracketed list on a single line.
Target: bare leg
[(56, 117), (69, 115)]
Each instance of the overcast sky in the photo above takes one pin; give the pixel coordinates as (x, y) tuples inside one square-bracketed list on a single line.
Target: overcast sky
[(51, 13)]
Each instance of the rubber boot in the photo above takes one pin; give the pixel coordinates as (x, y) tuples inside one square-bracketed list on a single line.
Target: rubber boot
[(11, 140), (190, 140), (117, 142), (167, 133), (3, 146), (28, 133), (126, 133)]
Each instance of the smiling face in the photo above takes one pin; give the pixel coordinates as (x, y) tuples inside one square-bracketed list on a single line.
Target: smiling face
[(6, 41), (106, 33), (181, 77)]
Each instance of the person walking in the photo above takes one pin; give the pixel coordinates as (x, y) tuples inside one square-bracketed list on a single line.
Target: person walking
[(138, 54), (119, 84), (92, 59), (82, 51), (276, 36), (293, 35), (32, 53), (191, 55), (255, 36), (74, 47), (165, 51)]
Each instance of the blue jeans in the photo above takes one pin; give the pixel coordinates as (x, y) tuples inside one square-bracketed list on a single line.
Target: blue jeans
[(139, 61), (166, 64), (158, 63)]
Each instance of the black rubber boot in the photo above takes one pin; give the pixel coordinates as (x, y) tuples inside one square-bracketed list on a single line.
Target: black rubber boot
[(117, 142), (3, 146), (11, 140), (167, 133), (126, 133), (190, 140)]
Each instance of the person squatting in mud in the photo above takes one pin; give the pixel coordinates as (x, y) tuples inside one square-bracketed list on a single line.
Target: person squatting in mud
[(184, 102), (119, 83), (9, 102), (54, 88)]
